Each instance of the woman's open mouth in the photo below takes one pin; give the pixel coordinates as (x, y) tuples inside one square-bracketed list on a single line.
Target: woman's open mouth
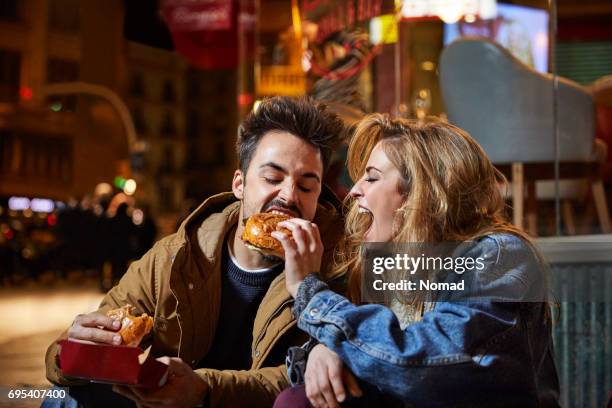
[(366, 212)]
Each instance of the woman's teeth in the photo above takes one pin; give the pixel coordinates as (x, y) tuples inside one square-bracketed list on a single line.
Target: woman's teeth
[(364, 211)]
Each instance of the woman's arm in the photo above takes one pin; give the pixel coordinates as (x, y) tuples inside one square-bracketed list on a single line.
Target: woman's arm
[(476, 331), (460, 332), (370, 341)]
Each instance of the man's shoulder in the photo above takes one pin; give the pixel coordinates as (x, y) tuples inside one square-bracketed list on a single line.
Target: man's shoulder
[(213, 207), (169, 244)]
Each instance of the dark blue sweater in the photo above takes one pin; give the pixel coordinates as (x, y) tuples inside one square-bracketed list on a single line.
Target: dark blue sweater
[(241, 294)]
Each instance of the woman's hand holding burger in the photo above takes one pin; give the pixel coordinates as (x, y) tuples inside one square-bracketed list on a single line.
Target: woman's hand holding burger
[(303, 251)]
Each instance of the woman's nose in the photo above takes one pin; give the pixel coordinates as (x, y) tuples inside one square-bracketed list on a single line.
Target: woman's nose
[(356, 190)]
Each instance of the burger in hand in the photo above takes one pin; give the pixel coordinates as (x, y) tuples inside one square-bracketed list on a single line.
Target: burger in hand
[(257, 230), (133, 328)]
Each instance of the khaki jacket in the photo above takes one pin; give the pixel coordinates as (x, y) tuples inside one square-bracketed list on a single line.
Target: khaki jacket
[(184, 299)]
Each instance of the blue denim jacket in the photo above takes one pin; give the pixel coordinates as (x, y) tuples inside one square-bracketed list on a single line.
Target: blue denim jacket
[(488, 346)]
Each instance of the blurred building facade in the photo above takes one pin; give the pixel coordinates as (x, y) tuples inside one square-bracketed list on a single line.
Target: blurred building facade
[(64, 145), (185, 118)]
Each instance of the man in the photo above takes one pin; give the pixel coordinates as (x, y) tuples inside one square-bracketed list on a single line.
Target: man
[(222, 316)]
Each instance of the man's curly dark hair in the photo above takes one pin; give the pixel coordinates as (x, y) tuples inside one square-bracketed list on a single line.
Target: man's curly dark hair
[(301, 117)]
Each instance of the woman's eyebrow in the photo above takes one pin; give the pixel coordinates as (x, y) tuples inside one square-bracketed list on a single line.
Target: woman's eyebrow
[(373, 168)]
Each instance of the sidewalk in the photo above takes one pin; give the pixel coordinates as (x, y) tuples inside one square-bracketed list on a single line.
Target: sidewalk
[(32, 317)]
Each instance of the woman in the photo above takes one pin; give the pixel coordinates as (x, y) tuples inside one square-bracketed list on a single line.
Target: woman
[(488, 344)]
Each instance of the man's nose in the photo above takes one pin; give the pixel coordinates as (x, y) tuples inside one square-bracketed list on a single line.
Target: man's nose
[(289, 193)]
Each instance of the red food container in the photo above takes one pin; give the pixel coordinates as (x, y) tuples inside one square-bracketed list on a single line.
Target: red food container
[(106, 363)]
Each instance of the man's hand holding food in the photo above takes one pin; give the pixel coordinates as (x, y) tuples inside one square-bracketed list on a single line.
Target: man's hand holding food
[(183, 388), (95, 327)]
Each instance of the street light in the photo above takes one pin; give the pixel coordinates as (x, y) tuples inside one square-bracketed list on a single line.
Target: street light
[(72, 88)]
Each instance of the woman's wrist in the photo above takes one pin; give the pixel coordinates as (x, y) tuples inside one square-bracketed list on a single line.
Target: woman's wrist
[(293, 288), (310, 286)]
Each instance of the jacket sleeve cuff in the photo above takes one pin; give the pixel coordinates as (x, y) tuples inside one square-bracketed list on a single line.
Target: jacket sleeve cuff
[(316, 319), (296, 361), (307, 289)]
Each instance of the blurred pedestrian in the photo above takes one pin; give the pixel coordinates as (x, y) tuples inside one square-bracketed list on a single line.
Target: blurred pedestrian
[(146, 230), (6, 254), (103, 242), (122, 237), (67, 231), (87, 235)]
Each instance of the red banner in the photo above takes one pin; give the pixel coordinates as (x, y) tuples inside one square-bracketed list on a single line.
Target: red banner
[(195, 16), (206, 31)]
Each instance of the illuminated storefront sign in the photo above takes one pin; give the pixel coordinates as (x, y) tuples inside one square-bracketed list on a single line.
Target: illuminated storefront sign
[(449, 11), (335, 15), (18, 203), (383, 29), (42, 205)]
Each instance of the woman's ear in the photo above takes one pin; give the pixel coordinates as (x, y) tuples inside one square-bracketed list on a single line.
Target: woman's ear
[(399, 219), (238, 185)]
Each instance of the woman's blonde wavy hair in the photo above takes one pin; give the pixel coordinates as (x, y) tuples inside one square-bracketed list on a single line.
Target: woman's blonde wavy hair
[(451, 189)]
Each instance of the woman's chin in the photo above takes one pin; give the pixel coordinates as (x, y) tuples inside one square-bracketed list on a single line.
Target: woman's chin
[(376, 236)]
